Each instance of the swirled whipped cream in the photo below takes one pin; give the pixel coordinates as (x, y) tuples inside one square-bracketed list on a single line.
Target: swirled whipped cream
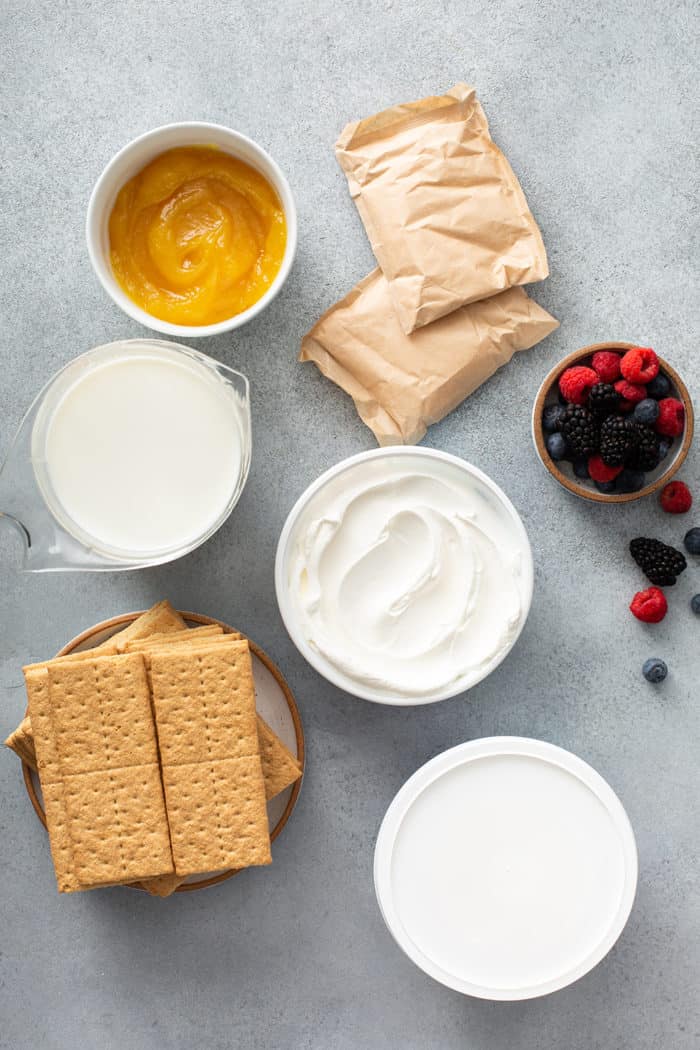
[(408, 574)]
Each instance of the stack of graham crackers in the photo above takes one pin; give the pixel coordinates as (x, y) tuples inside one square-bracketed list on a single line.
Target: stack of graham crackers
[(153, 762)]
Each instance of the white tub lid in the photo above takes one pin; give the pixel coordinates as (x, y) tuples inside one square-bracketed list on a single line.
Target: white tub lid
[(506, 868)]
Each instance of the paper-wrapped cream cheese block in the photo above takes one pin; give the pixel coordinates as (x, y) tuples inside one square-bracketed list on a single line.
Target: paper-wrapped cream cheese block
[(444, 212), (400, 383)]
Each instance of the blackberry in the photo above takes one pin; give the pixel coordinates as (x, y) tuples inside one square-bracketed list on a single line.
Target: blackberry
[(603, 399), (659, 563), (618, 437), (645, 455), (580, 428)]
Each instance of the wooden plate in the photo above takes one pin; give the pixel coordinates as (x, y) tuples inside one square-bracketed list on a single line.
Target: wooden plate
[(664, 472), (274, 701)]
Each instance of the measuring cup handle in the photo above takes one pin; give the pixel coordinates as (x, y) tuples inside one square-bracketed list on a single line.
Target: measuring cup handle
[(21, 529)]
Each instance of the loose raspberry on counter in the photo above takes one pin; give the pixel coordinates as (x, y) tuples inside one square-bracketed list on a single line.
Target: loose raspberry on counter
[(630, 391), (607, 364), (640, 365), (649, 606), (575, 383), (675, 498), (671, 417), (600, 471)]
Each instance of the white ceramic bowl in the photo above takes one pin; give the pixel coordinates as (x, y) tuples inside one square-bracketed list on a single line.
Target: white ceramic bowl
[(287, 605), (505, 868), (129, 161)]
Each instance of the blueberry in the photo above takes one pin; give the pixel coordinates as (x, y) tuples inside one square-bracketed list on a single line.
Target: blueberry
[(630, 480), (659, 387), (691, 541), (581, 468), (551, 417), (695, 604), (664, 447), (556, 446), (654, 670), (646, 411), (605, 486)]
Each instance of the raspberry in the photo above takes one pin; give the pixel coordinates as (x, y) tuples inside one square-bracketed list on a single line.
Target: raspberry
[(671, 417), (649, 606), (675, 498), (607, 364), (624, 406), (640, 365), (575, 383), (600, 471), (630, 391)]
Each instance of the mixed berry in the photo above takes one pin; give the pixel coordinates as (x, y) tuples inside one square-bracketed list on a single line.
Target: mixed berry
[(616, 419), (662, 565)]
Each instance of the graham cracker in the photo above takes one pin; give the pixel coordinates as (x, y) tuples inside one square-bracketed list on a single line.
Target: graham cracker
[(204, 706), (280, 770), (105, 746), (160, 618), (37, 682), (21, 742), (186, 636), (279, 766)]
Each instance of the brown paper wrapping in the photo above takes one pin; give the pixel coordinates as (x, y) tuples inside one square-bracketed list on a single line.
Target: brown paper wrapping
[(444, 212), (400, 383)]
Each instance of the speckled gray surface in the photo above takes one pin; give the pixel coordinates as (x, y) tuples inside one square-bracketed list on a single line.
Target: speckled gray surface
[(596, 108)]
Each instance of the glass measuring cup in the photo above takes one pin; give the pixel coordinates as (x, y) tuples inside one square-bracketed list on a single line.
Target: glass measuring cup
[(30, 500)]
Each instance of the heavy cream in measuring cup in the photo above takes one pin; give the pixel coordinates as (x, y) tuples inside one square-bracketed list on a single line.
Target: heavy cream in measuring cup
[(139, 452), (409, 574)]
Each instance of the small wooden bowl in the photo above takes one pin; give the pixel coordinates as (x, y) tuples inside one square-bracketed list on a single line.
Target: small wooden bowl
[(94, 635), (549, 391)]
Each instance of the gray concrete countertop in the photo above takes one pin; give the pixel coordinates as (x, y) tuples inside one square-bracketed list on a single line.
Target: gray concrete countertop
[(596, 107)]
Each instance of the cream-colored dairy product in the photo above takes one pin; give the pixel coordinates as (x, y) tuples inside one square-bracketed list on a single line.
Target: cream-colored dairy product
[(139, 452), (409, 574), (505, 868)]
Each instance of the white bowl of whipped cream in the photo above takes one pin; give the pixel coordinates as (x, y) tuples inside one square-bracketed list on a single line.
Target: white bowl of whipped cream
[(404, 575)]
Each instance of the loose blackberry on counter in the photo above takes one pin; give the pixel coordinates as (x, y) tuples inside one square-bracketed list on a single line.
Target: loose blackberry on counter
[(618, 437), (660, 563), (580, 429)]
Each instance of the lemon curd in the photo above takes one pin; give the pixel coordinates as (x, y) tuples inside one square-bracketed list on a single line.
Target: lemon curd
[(196, 236)]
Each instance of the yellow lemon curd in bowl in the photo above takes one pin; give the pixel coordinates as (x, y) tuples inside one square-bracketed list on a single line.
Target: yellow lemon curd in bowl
[(196, 236)]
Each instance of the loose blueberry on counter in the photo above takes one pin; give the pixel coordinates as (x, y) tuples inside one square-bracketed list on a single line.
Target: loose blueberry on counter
[(581, 468), (630, 481), (551, 417), (646, 411), (695, 604), (605, 486), (654, 670), (659, 386), (691, 541), (556, 446)]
